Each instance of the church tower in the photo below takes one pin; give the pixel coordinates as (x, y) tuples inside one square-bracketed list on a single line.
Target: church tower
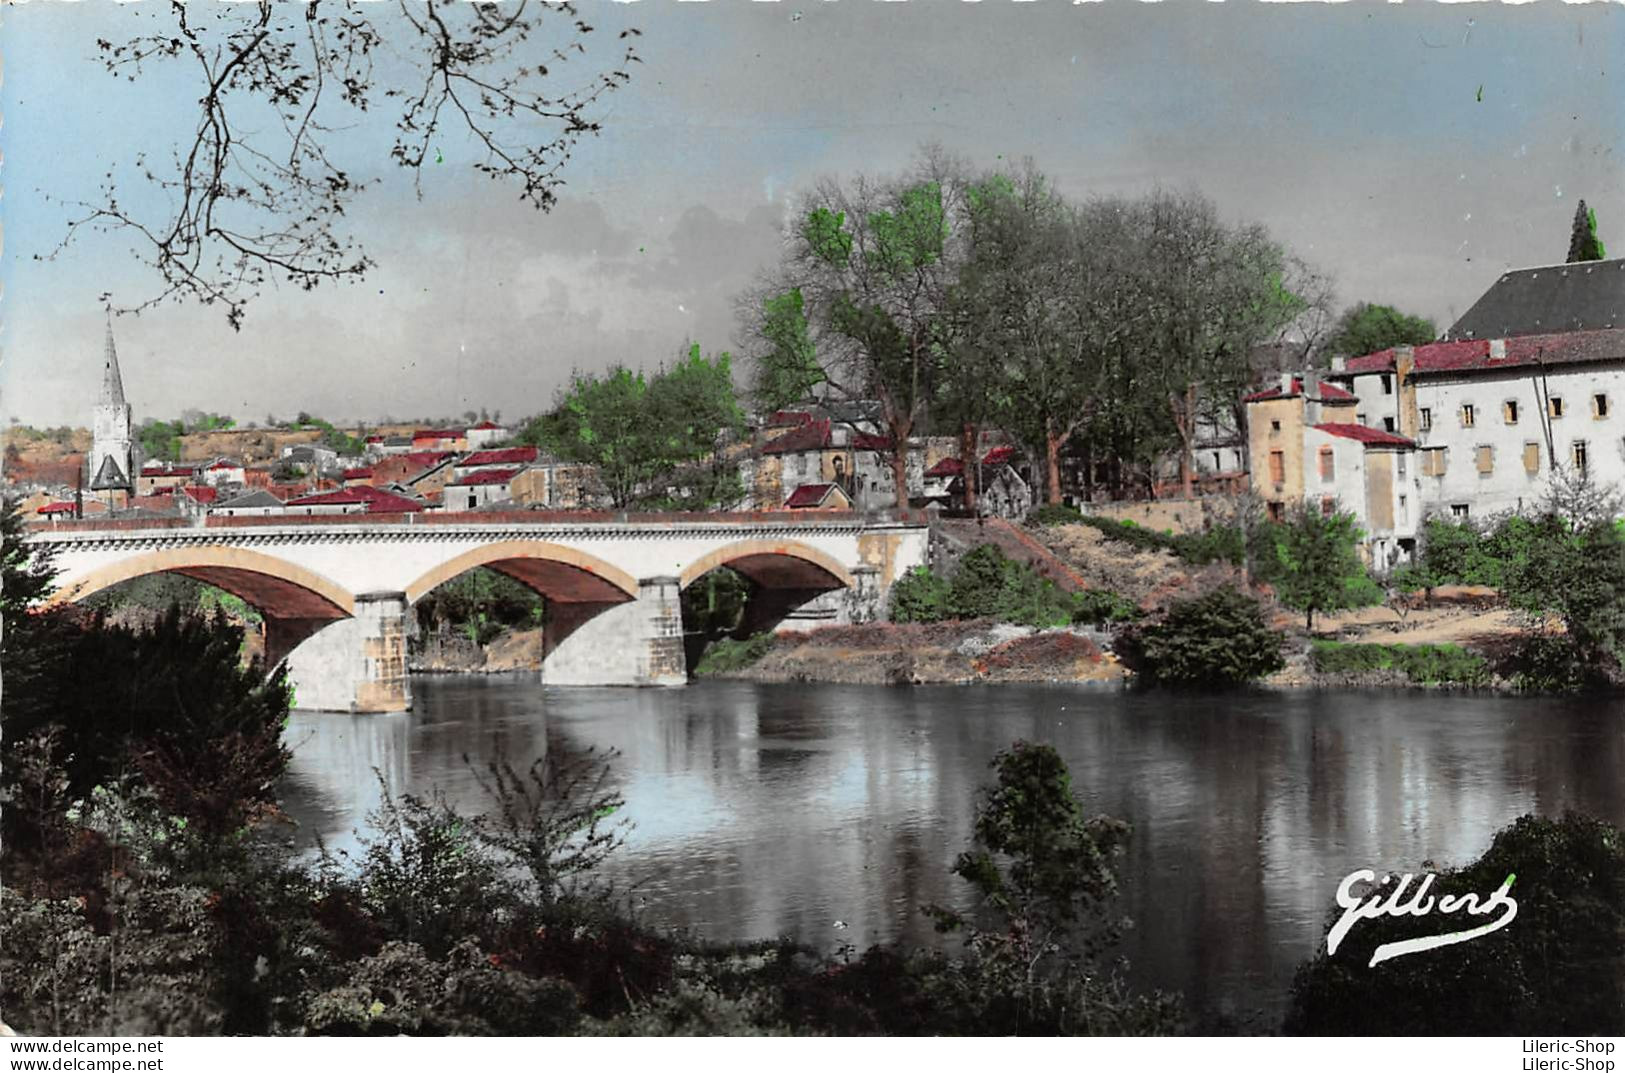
[(112, 461)]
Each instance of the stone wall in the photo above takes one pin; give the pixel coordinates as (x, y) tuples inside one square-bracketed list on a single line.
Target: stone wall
[(1180, 515)]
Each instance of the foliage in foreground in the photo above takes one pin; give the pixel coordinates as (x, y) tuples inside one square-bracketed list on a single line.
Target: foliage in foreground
[(1557, 968), (1217, 639), (729, 655)]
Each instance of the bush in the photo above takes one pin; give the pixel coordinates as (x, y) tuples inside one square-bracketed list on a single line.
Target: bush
[(987, 584), (1054, 514), (1422, 664), (1218, 639), (1100, 606), (921, 595), (1551, 663), (1557, 969), (728, 655)]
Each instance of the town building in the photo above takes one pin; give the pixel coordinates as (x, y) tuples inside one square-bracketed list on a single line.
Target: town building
[(111, 462), (485, 434)]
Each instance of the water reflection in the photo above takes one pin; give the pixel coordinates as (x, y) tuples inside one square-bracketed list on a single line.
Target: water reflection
[(769, 810)]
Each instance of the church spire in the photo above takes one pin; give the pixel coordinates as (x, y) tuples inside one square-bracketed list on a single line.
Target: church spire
[(112, 382)]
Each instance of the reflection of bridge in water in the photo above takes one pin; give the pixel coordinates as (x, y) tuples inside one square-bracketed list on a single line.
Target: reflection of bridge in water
[(335, 591)]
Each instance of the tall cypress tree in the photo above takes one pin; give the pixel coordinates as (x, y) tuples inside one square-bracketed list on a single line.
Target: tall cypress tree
[(1584, 245)]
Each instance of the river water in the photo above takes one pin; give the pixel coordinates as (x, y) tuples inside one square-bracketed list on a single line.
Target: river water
[(831, 813)]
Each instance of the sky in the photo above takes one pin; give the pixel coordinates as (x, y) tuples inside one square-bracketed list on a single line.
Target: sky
[(1413, 152)]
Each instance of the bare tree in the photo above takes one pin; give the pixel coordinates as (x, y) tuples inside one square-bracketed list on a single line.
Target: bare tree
[(1576, 496), (256, 192)]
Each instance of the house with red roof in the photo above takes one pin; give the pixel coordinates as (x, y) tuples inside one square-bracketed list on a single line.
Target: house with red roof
[(497, 458), (440, 439), (361, 499), (1308, 445), (485, 434), (798, 448)]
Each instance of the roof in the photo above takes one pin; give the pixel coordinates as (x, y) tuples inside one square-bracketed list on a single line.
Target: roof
[(484, 425), (112, 382), (109, 475), (428, 459), (223, 464), (1585, 296), (376, 500), (359, 473), (1371, 437), (813, 495), (787, 419), (999, 456), (259, 497), (817, 434), (947, 467), (1484, 355), (486, 476), (438, 434), (56, 508), (1328, 393), (502, 456), (201, 494)]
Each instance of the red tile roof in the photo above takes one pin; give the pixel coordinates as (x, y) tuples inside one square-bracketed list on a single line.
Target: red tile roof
[(502, 456), (223, 464), (359, 474), (377, 500), (428, 459), (486, 476), (201, 494), (484, 425), (1473, 355), (1374, 437), (56, 508), (1328, 392), (811, 495), (787, 419), (438, 434), (999, 456), (813, 435), (947, 467)]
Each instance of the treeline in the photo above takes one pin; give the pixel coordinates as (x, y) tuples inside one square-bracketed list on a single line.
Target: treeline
[(960, 300)]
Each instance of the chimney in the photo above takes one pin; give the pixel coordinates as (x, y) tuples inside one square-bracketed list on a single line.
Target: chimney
[(1339, 364), (1311, 397), (1311, 382), (1498, 349), (1286, 383)]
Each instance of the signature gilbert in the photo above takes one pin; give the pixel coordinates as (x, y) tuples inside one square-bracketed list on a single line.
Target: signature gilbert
[(1421, 904)]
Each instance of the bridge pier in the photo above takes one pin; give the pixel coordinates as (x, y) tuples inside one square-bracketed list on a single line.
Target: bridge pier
[(357, 664), (635, 642)]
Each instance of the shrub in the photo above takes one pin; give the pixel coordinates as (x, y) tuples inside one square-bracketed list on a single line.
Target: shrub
[(1551, 663), (1422, 664), (1054, 514), (728, 655), (921, 595), (1099, 606), (1218, 639), (1557, 969), (986, 584)]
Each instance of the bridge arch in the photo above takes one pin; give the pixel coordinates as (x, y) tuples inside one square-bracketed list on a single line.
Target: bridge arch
[(557, 572), (275, 586), (774, 564)]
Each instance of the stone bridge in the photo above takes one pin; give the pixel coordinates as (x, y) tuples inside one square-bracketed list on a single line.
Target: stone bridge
[(336, 591)]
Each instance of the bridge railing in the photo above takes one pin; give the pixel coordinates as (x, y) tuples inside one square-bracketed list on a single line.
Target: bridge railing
[(517, 517)]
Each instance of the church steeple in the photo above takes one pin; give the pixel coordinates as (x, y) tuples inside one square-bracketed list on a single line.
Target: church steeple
[(112, 382)]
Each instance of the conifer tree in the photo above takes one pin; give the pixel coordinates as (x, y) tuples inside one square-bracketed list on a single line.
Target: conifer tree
[(1584, 245)]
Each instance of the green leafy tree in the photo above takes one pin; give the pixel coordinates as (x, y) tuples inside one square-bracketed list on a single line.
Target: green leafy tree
[(161, 440), (1217, 639), (1577, 577), (1317, 565), (1367, 328), (1044, 874), (1584, 245)]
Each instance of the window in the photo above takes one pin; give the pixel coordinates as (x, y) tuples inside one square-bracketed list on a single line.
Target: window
[(1458, 510), (1277, 466), (1531, 458), (1427, 418), (1275, 426), (1359, 419), (1400, 463), (1485, 455), (1599, 405), (1404, 511), (1217, 465), (1509, 410), (1554, 406), (1388, 424), (1580, 458), (1276, 510), (1466, 415), (1433, 462), (1328, 506), (1328, 463), (1387, 384)]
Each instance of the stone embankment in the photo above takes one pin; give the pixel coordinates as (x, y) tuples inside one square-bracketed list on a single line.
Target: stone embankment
[(519, 650)]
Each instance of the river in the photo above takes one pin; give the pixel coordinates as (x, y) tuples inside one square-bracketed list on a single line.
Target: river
[(831, 813)]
